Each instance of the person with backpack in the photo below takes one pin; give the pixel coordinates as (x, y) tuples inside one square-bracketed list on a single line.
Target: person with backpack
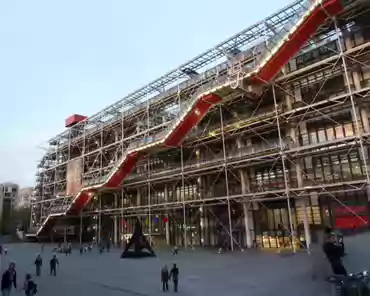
[(30, 287), (38, 263)]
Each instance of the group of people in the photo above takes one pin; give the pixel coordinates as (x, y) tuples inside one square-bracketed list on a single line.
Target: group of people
[(9, 281), (167, 275), (53, 263), (9, 276)]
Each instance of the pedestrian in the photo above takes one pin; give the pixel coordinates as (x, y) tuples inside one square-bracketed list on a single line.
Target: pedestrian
[(175, 250), (69, 248), (38, 263), (53, 265), (165, 275), (81, 250), (334, 253), (30, 288), (8, 280), (174, 275)]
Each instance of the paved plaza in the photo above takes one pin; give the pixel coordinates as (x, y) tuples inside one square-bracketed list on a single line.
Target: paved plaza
[(202, 272)]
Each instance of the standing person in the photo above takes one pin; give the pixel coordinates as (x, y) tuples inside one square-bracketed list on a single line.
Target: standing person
[(53, 265), (30, 288), (69, 248), (38, 263), (164, 278), (334, 253), (8, 280), (175, 250), (174, 275)]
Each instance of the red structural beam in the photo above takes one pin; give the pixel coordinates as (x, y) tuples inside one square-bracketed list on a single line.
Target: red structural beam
[(192, 119), (300, 36)]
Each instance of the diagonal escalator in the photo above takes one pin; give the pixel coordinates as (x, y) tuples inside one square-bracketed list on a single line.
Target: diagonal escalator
[(278, 50)]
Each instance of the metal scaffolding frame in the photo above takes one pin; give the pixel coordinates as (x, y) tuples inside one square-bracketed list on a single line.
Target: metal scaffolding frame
[(104, 138)]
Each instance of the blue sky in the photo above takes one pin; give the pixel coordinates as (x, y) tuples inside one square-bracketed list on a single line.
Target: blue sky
[(63, 57)]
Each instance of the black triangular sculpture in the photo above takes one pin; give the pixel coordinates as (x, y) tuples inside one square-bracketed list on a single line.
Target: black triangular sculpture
[(138, 246)]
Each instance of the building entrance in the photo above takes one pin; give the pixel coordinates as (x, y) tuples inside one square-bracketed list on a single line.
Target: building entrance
[(273, 226)]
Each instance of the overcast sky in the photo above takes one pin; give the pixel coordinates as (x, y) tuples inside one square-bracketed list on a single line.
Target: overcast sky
[(64, 57)]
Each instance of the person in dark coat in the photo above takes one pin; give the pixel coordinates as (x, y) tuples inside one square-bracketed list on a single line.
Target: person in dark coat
[(334, 253), (8, 280), (165, 275), (174, 275), (30, 288), (38, 263), (53, 265)]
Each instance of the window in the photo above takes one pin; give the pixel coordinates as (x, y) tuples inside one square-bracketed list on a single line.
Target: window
[(348, 130), (313, 138), (339, 132), (330, 133), (321, 134)]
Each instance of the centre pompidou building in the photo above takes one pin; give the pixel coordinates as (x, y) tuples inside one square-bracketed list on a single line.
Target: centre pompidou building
[(258, 141)]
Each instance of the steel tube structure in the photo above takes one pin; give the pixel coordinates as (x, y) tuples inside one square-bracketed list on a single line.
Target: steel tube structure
[(290, 126)]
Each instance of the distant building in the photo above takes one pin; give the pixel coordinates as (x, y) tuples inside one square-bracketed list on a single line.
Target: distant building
[(9, 193), (24, 198)]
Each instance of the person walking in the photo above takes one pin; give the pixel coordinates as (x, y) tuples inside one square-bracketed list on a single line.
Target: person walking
[(29, 287), (53, 265), (164, 278), (174, 275), (8, 280), (334, 253), (69, 249), (38, 263)]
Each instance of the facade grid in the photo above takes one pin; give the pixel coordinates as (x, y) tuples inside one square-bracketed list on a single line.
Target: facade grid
[(275, 159)]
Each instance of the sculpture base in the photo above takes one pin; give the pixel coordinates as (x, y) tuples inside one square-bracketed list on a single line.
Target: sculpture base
[(135, 254)]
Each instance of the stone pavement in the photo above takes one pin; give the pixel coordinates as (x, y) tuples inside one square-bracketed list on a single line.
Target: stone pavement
[(202, 272)]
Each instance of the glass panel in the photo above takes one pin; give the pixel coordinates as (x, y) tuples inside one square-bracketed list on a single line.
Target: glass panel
[(313, 138), (339, 132), (321, 135), (348, 130), (330, 133)]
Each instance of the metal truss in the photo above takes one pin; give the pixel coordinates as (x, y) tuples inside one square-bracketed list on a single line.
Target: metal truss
[(223, 154)]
